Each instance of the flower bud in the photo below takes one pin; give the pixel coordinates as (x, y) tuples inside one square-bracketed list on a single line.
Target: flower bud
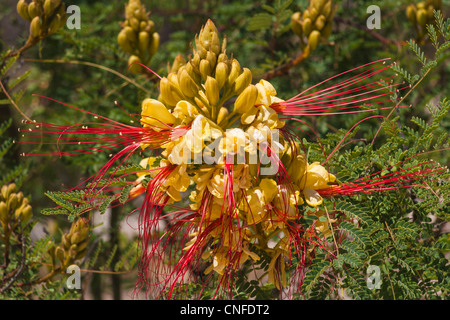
[(313, 39), (154, 44), (4, 216), (246, 100), (208, 38), (221, 74), (212, 91), (178, 62), (155, 114), (422, 17), (318, 4), (48, 7), (35, 27), (205, 69), (59, 253), (327, 9), (144, 41), (131, 34), (123, 41), (133, 64), (65, 241), (12, 202), (223, 112), (212, 59), (243, 81), (235, 71), (296, 24), (134, 23), (22, 9), (33, 10), (320, 22), (187, 84), (73, 251), (26, 214), (307, 26), (169, 92), (7, 190)]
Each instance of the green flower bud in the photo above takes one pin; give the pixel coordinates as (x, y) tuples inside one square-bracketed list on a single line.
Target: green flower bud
[(246, 100), (169, 93), (307, 26), (205, 69), (223, 113), (26, 214), (296, 25), (33, 10), (123, 41), (35, 27), (4, 216), (212, 59), (243, 81), (187, 84), (320, 22), (422, 17), (131, 34), (313, 13), (221, 74), (212, 91), (144, 41), (327, 9), (59, 253), (318, 4), (134, 23), (133, 64), (7, 190), (208, 39), (178, 62), (235, 72), (65, 241), (73, 251), (48, 8), (313, 39), (22, 9), (154, 44), (12, 202)]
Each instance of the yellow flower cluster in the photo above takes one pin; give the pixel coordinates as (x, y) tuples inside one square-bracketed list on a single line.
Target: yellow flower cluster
[(230, 160)]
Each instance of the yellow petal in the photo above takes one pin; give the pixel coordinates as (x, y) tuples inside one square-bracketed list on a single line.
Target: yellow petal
[(312, 197)]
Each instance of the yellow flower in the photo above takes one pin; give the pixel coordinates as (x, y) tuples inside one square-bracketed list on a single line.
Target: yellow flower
[(262, 112), (257, 200), (315, 178), (185, 112), (155, 115)]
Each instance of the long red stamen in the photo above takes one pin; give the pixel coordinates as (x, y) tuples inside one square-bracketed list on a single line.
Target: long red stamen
[(346, 95), (395, 180)]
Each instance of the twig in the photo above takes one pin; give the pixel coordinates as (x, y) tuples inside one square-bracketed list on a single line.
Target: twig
[(283, 69), (91, 64), (13, 103), (21, 268)]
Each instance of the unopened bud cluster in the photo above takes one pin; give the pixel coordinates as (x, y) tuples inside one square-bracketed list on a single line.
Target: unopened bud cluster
[(208, 79), (45, 16), (314, 24), (138, 36), (73, 244), (421, 14), (14, 208)]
